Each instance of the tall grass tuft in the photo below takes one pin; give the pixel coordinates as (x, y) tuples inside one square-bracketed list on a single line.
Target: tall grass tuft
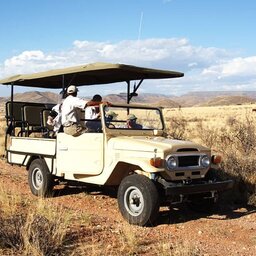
[(39, 229)]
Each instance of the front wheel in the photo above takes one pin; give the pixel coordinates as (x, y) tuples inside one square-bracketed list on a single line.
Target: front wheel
[(138, 200), (40, 180)]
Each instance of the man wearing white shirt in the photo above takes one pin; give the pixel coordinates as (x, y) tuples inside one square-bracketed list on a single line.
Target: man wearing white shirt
[(92, 115), (71, 106)]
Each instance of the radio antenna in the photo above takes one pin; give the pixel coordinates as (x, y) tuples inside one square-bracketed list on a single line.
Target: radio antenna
[(141, 19)]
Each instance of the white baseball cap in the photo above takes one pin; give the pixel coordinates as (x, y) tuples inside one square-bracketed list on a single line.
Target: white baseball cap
[(72, 89)]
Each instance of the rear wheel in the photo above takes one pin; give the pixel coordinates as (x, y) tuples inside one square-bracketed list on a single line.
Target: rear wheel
[(40, 180), (138, 200)]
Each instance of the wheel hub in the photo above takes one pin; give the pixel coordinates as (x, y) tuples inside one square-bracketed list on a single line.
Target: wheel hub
[(37, 178), (134, 202)]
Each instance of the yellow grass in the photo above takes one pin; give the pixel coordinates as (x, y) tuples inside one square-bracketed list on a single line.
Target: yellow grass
[(212, 116), (2, 135)]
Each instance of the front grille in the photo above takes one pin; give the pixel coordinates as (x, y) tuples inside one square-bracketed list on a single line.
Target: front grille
[(188, 161)]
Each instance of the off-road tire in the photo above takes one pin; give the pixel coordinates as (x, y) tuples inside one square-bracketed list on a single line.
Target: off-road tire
[(40, 180), (138, 200)]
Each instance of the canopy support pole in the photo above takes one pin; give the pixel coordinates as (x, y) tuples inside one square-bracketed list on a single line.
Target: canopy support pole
[(128, 92), (63, 86), (12, 90), (135, 88), (10, 129)]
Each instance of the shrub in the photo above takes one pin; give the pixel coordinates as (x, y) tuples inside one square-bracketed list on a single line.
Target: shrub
[(236, 142), (177, 127)]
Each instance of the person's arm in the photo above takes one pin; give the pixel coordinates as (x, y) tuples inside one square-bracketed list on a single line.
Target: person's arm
[(95, 103)]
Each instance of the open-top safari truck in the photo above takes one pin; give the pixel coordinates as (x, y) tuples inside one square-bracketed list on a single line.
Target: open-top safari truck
[(148, 169)]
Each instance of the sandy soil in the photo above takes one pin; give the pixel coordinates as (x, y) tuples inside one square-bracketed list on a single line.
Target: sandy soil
[(229, 231)]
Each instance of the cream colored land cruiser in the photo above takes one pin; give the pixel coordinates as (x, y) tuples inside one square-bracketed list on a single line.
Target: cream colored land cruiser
[(128, 149)]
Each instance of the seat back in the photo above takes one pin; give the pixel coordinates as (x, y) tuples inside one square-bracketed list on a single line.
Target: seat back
[(14, 112), (32, 115), (44, 117)]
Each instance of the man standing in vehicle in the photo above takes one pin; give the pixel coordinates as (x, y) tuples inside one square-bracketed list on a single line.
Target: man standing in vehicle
[(71, 112), (92, 114)]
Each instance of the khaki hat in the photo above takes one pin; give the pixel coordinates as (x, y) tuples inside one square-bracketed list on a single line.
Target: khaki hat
[(72, 89), (112, 113), (131, 117)]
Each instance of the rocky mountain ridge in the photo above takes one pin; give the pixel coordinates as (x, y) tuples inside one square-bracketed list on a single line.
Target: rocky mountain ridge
[(187, 100)]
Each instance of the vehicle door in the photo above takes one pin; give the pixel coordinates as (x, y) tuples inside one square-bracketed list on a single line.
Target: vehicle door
[(80, 155)]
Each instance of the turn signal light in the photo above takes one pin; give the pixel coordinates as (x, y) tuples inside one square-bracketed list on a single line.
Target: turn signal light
[(216, 159), (156, 162)]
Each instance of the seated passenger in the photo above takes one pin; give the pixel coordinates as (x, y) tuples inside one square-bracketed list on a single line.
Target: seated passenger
[(109, 117), (54, 118), (132, 122)]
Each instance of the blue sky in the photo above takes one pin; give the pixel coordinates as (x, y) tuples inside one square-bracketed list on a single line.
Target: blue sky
[(212, 42)]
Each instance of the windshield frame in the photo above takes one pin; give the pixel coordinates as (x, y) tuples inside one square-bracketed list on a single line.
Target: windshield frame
[(129, 108)]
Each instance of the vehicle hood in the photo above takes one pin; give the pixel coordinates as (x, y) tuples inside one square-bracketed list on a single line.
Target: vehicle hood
[(149, 144)]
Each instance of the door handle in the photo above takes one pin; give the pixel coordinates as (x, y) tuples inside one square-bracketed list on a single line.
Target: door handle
[(63, 149)]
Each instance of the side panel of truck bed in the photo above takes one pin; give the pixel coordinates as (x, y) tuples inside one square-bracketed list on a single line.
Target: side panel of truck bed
[(21, 148)]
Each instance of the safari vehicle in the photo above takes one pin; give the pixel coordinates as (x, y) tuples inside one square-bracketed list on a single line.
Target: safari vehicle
[(149, 169)]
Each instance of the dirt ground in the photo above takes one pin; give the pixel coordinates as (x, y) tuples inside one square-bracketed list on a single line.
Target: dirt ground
[(231, 230)]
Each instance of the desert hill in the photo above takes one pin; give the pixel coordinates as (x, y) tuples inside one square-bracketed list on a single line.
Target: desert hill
[(35, 96), (202, 98), (228, 100), (144, 98), (187, 100)]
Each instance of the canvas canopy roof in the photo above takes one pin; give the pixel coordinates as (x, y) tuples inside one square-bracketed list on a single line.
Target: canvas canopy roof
[(96, 73)]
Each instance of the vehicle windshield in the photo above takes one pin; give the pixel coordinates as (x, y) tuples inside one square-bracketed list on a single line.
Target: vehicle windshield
[(136, 118)]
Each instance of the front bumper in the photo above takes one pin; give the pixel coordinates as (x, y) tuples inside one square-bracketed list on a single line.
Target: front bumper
[(172, 188)]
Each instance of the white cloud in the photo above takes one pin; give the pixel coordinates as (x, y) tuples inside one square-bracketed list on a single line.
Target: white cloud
[(205, 68), (234, 67)]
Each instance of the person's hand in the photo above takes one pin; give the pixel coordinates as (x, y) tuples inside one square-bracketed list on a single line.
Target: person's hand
[(50, 121)]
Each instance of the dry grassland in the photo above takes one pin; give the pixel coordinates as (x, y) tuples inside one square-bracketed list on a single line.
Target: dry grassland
[(211, 117), (44, 227)]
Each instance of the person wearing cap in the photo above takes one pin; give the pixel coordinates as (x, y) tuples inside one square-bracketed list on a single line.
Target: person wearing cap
[(71, 108), (132, 122), (109, 117)]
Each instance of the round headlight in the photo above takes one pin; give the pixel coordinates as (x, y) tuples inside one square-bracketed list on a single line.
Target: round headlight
[(171, 162), (205, 161)]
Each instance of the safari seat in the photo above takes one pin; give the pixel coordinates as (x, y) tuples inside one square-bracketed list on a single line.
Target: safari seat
[(46, 128), (32, 118), (14, 116)]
